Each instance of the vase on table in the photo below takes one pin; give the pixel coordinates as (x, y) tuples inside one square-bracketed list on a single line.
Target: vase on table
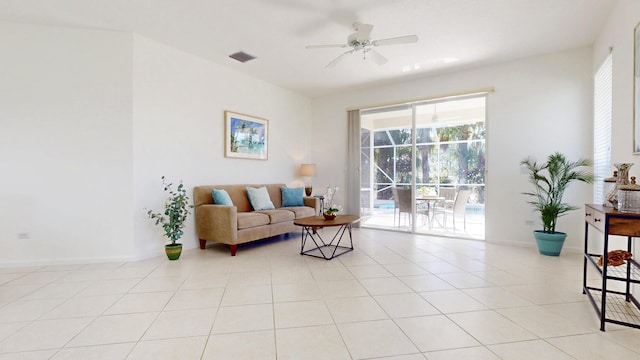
[(329, 216), (622, 179)]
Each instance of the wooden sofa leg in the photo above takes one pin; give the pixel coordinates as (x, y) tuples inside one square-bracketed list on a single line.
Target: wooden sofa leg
[(203, 243), (233, 249)]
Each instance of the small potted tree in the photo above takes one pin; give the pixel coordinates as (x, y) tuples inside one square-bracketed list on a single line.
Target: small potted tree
[(172, 219), (550, 179)]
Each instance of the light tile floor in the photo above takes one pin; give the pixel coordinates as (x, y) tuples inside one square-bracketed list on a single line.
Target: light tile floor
[(396, 297)]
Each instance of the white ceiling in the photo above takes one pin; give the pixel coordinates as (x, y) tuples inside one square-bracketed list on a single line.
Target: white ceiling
[(471, 32)]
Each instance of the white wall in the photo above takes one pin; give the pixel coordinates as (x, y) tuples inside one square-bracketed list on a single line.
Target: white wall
[(65, 144), (540, 105), (92, 119), (618, 33), (179, 104)]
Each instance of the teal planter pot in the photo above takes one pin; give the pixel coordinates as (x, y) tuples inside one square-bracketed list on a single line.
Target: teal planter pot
[(549, 244)]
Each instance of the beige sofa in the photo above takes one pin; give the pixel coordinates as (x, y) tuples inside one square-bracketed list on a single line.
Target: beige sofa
[(239, 224)]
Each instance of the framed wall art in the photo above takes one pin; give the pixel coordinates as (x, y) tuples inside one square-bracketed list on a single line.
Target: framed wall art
[(245, 136), (636, 90)]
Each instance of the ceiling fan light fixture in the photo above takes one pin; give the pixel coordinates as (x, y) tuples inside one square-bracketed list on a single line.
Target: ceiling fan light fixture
[(361, 41)]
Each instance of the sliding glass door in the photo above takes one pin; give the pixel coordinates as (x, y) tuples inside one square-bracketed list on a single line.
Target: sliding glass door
[(423, 167), (386, 163)]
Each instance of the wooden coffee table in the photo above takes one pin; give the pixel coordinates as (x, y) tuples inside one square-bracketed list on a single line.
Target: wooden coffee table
[(322, 249)]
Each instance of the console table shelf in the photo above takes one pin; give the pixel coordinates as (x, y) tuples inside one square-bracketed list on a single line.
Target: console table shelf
[(612, 306), (619, 311), (618, 272)]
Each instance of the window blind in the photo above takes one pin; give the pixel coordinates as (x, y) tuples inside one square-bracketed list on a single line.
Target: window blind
[(602, 94)]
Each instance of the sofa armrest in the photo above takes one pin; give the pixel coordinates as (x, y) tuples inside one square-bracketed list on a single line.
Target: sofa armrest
[(217, 223), (313, 202)]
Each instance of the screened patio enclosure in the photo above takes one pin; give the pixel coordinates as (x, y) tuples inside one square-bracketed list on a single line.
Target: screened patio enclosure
[(416, 158)]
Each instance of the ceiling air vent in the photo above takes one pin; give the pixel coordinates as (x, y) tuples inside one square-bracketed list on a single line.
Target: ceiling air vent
[(242, 56)]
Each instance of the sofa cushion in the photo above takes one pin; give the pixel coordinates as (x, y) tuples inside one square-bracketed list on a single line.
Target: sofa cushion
[(259, 198), (252, 219), (221, 197), (302, 211), (278, 215), (292, 196)]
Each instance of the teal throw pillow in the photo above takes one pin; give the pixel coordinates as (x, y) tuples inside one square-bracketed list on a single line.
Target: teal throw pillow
[(221, 197), (259, 198), (292, 196)]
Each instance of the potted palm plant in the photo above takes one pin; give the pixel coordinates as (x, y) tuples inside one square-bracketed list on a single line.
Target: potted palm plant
[(550, 179), (172, 219)]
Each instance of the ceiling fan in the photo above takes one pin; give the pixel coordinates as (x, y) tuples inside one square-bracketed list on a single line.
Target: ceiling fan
[(361, 41)]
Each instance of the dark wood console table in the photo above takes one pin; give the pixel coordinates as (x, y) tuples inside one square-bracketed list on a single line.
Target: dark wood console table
[(612, 306)]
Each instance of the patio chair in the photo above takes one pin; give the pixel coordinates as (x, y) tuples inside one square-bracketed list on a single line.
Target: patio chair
[(449, 195), (458, 208), (402, 202)]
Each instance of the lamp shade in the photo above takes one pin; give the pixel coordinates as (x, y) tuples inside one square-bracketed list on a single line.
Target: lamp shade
[(308, 170)]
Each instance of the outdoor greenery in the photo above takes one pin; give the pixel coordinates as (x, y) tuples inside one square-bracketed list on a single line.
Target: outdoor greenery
[(550, 179), (452, 155), (176, 209)]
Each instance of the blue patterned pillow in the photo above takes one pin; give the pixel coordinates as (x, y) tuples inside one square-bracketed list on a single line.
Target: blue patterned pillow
[(292, 196), (221, 197), (259, 198)]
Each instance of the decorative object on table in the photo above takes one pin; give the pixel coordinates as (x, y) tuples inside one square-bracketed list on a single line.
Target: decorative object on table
[(608, 185), (622, 178), (172, 219), (328, 216), (550, 179), (629, 197), (330, 209), (616, 258), (245, 136), (307, 171)]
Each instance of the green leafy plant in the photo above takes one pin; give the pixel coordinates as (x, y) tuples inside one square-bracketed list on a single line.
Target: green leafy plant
[(176, 210), (550, 179)]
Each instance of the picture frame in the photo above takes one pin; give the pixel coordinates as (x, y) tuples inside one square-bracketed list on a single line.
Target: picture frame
[(246, 136), (636, 90)]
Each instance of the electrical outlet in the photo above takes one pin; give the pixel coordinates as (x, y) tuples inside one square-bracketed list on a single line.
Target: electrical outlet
[(529, 222), (23, 236)]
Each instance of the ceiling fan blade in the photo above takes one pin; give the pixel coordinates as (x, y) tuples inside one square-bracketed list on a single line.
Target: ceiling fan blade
[(377, 57), (364, 31), (396, 40), (326, 46), (337, 60)]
